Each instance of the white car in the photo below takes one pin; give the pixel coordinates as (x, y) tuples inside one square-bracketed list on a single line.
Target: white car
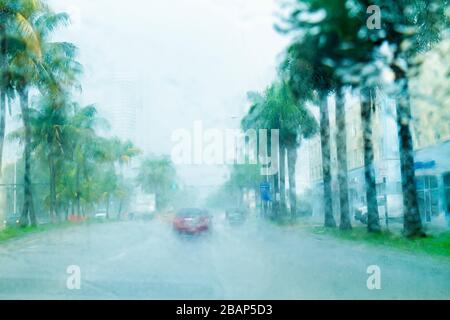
[(101, 215)]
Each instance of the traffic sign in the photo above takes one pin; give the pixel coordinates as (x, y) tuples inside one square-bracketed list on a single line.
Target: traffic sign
[(265, 191)]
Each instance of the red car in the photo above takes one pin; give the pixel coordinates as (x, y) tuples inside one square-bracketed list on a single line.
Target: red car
[(192, 221)]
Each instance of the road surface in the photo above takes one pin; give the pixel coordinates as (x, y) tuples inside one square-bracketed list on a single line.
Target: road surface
[(147, 260)]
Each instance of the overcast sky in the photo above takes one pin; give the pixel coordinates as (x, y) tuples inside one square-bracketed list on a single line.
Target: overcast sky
[(190, 59)]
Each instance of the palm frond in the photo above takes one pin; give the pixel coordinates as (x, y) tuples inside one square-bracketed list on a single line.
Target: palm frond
[(29, 35)]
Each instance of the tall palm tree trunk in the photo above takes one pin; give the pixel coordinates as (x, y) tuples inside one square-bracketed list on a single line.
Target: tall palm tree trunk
[(367, 100), (78, 192), (2, 124), (341, 145), (107, 205), (119, 210), (52, 170), (292, 161), (326, 161), (3, 66), (282, 178), (412, 222), (28, 214), (276, 178)]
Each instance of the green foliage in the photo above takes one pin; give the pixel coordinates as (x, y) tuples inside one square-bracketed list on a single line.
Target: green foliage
[(278, 109), (84, 163), (333, 45), (40, 179), (158, 175), (83, 169), (15, 232), (245, 176)]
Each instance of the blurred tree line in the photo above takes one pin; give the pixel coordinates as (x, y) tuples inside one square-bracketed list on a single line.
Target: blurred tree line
[(66, 167)]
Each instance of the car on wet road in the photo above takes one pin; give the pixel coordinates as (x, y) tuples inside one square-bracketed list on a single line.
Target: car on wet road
[(235, 216), (192, 221), (12, 221)]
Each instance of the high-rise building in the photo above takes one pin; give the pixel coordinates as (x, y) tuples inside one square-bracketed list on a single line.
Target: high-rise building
[(125, 102)]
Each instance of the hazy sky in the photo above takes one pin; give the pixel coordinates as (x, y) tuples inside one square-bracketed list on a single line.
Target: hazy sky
[(190, 59)]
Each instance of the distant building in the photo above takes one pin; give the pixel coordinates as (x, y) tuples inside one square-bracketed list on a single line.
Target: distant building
[(431, 132), (431, 136), (122, 106), (432, 166)]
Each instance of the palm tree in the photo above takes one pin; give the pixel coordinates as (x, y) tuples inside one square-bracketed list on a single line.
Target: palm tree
[(306, 129), (367, 108), (45, 129), (341, 145), (50, 142), (19, 45), (120, 152), (123, 151), (326, 160), (49, 125), (309, 79), (16, 33), (264, 116), (157, 175), (339, 44), (46, 70), (297, 124), (422, 23), (87, 166), (349, 53), (278, 109), (85, 147), (3, 66)]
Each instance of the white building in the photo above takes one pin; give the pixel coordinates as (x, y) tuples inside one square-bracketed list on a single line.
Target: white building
[(124, 104)]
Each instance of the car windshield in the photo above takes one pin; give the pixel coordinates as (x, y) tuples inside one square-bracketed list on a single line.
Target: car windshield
[(224, 149)]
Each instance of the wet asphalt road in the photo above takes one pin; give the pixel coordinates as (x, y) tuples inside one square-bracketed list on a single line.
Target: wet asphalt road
[(148, 260)]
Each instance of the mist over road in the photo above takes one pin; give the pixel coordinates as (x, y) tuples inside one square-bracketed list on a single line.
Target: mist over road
[(148, 260)]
